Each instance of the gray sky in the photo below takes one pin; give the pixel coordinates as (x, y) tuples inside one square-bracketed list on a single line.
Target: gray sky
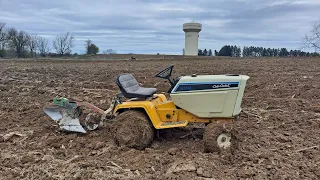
[(152, 26)]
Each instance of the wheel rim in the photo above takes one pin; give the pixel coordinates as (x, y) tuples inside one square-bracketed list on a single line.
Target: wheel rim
[(224, 140), (91, 122)]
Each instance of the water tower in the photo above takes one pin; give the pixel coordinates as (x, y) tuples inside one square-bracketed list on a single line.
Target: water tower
[(191, 30)]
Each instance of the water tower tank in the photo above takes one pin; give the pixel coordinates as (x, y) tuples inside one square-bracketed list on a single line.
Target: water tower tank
[(191, 30)]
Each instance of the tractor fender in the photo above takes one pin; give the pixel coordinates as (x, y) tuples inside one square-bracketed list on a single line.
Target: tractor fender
[(147, 106)]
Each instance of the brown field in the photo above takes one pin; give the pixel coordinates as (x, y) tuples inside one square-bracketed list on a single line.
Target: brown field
[(278, 140)]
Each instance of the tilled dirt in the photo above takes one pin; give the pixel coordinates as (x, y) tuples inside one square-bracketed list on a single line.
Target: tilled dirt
[(279, 131)]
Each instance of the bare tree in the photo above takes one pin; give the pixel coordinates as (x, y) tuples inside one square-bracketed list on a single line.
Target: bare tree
[(109, 51), (43, 46), (3, 35), (32, 44), (18, 41), (88, 44), (313, 40), (63, 43)]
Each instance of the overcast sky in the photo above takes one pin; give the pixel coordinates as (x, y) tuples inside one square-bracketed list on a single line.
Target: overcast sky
[(152, 26)]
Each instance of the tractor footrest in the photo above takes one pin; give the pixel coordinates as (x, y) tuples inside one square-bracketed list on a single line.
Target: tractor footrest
[(165, 125)]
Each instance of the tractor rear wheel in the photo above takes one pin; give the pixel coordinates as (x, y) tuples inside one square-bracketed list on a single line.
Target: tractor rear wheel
[(133, 129), (220, 137)]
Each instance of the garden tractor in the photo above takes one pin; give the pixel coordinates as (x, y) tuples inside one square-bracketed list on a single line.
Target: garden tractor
[(137, 112)]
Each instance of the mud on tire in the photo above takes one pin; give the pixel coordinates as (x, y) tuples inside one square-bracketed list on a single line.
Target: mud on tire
[(132, 129), (220, 137)]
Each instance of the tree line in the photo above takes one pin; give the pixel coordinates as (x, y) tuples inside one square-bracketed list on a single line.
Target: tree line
[(252, 51), (18, 43), (205, 52), (309, 41), (274, 52)]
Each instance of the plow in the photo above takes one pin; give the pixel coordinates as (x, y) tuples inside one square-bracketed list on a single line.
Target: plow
[(137, 112), (68, 114)]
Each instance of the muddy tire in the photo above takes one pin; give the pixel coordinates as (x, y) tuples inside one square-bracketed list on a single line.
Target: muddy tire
[(220, 137), (133, 129)]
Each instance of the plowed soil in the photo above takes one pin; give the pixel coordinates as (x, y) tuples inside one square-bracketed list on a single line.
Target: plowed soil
[(279, 131)]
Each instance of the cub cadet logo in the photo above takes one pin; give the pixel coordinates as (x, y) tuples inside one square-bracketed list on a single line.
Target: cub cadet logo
[(221, 86)]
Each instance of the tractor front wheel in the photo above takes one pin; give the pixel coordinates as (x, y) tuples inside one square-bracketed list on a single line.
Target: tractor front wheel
[(133, 129), (220, 137)]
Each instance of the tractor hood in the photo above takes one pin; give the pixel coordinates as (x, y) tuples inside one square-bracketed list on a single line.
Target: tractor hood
[(208, 83), (210, 96)]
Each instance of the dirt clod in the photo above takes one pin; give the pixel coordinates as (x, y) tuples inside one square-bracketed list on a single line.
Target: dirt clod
[(173, 151), (203, 173), (99, 145), (48, 158), (181, 166)]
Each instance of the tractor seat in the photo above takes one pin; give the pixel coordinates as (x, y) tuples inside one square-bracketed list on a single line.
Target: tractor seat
[(130, 88)]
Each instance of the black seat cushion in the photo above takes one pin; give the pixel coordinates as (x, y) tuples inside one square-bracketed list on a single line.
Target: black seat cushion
[(130, 88)]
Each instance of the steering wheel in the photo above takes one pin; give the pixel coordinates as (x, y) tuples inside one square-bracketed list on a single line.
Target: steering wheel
[(166, 74)]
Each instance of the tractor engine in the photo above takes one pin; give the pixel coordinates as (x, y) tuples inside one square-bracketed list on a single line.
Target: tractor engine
[(210, 96)]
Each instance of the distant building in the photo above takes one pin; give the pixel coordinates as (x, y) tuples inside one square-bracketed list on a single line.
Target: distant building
[(191, 30)]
